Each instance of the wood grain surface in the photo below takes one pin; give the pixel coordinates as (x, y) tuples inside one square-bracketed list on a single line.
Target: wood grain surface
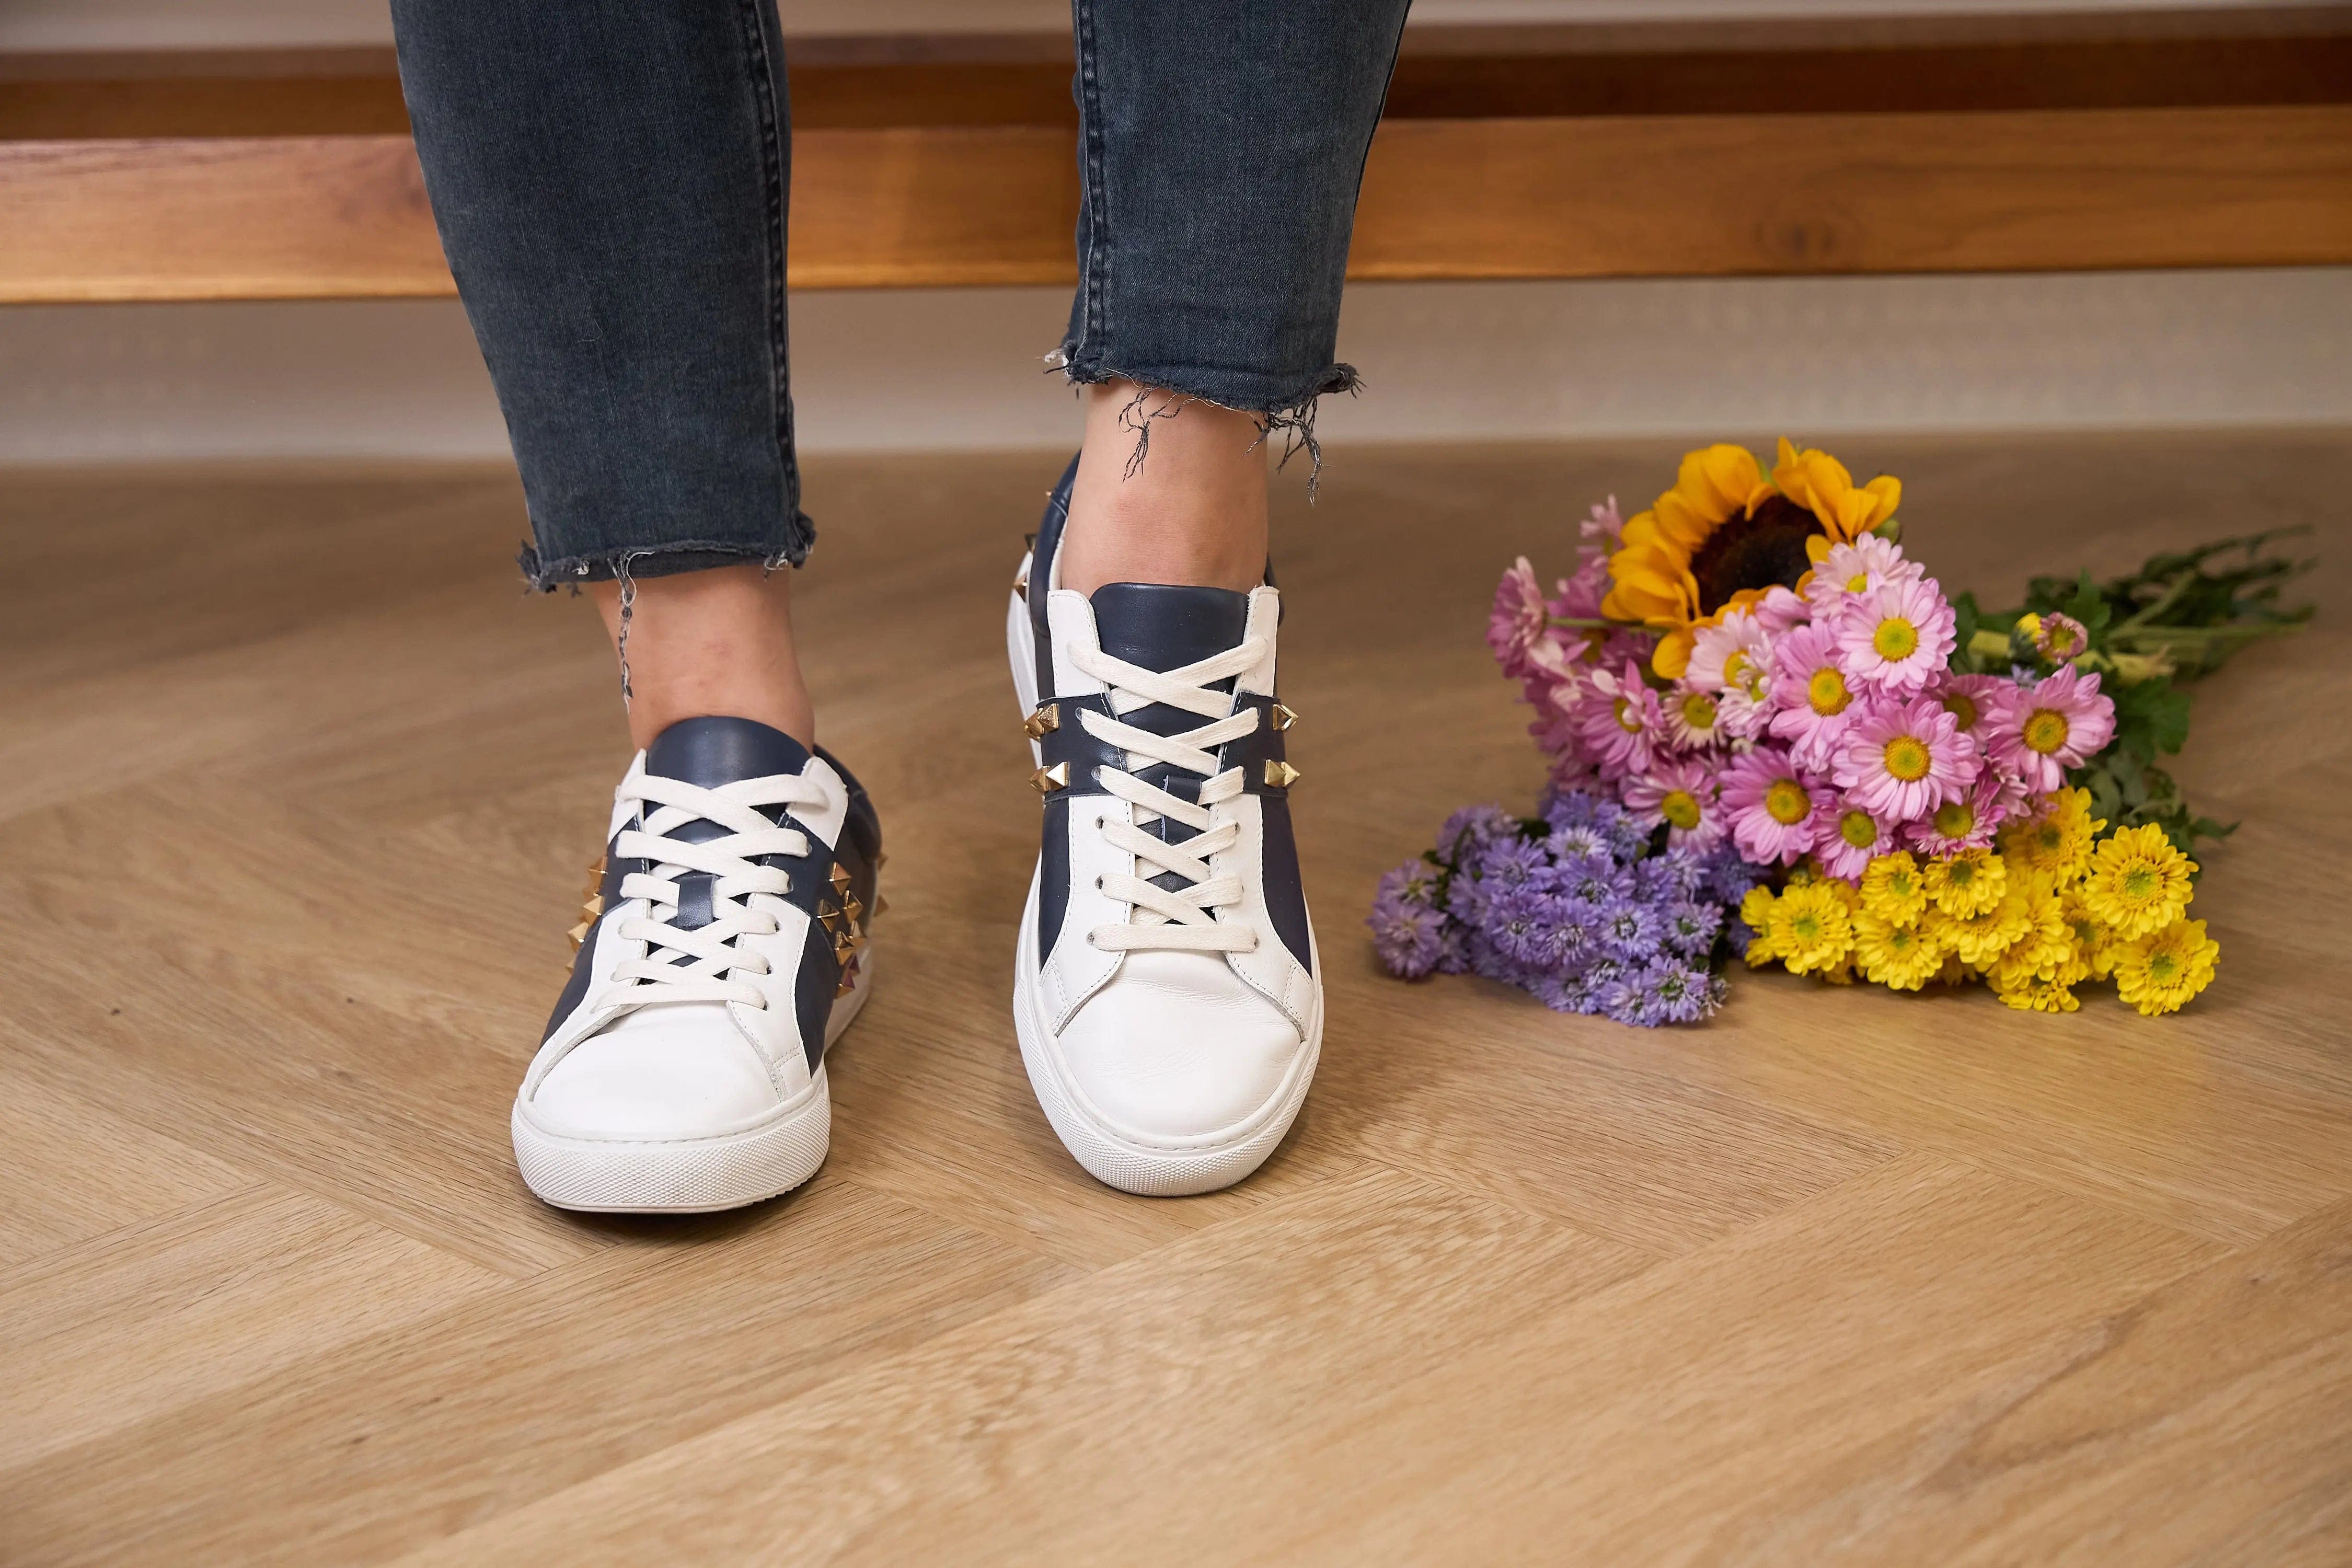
[(1563, 196), (296, 790)]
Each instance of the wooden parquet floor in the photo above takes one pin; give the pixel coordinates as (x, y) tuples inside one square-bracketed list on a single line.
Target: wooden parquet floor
[(296, 790)]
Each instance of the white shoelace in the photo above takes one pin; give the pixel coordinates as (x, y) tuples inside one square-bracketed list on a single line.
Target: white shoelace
[(746, 898), (1163, 920)]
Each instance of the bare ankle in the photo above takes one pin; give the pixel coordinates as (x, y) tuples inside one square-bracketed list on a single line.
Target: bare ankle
[(1170, 489), (704, 643)]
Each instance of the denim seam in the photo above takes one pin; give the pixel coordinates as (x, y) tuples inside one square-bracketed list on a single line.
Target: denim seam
[(546, 576), (1096, 262), (760, 67)]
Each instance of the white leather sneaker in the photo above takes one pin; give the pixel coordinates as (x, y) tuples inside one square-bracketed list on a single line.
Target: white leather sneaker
[(1166, 991), (724, 949)]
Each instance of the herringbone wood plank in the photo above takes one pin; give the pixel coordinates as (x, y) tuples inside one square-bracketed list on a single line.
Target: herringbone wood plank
[(295, 798)]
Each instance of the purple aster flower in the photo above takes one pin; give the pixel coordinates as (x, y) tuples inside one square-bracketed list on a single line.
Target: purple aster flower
[(1631, 930), (1578, 841), (1678, 993), (1569, 808), (1627, 837), (1595, 881), (1626, 999), (1471, 826), (1407, 928), (1691, 928), (1523, 925), (1510, 863)]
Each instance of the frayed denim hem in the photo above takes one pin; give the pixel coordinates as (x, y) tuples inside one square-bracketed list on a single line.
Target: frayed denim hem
[(1290, 417), (546, 576)]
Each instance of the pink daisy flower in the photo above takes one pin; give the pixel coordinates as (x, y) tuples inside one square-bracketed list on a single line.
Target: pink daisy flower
[(1686, 796), (1896, 636), (1968, 820), (2057, 723), (1868, 564), (1619, 722), (1901, 760), (1779, 610), (1604, 525), (1694, 718), (1518, 620), (1851, 839), (1980, 704), (1810, 697), (1776, 809), (1741, 717), (1734, 653)]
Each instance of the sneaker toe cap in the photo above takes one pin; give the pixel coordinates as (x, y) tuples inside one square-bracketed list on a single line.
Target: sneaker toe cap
[(1167, 1056), (655, 1084)]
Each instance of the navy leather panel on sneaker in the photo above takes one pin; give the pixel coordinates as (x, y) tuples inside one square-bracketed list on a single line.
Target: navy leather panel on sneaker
[(1285, 893), (713, 750), (1042, 552), (575, 986), (1053, 872), (814, 989)]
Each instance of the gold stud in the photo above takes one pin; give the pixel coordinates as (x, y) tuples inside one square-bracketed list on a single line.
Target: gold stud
[(1279, 774), (880, 861), (848, 981), (1044, 721), (829, 915), (579, 935), (840, 877), (593, 907), (881, 906), (1021, 578), (844, 950), (853, 909), (1284, 718), (1046, 780)]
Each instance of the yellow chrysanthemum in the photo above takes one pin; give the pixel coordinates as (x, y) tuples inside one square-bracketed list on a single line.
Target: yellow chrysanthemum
[(2056, 839), (1824, 487), (2160, 971), (1900, 957), (1955, 969), (1980, 939), (1893, 890), (1762, 909), (1815, 929), (2036, 994), (2138, 882), (2045, 949), (1724, 536), (1967, 882), (2094, 941)]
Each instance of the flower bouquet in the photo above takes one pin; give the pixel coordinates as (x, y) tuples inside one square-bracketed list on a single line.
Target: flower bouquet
[(1917, 791)]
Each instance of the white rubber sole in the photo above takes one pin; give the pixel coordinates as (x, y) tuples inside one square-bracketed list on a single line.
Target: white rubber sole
[(1112, 1156), (1117, 1158), (691, 1175)]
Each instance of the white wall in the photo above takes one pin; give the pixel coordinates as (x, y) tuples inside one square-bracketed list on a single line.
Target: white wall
[(961, 368)]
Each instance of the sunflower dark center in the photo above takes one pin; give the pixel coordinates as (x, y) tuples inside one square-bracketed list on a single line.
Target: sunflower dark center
[(1757, 550)]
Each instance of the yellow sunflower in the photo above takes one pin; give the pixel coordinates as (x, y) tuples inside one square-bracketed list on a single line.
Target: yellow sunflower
[(1724, 535)]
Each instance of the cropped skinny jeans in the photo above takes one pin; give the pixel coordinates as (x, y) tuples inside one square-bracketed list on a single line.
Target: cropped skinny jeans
[(612, 181)]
